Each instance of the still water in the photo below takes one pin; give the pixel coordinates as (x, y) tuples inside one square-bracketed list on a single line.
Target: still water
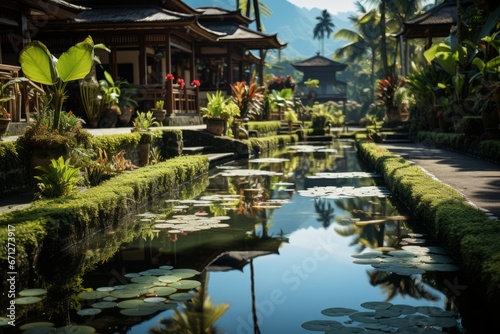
[(299, 240)]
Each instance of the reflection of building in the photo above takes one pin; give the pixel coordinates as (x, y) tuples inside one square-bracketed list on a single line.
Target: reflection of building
[(148, 39), (324, 70)]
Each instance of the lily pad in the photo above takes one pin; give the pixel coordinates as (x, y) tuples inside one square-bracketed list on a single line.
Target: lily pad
[(32, 292), (169, 278), (93, 294), (27, 300), (126, 293), (376, 305), (102, 305), (89, 311), (321, 325), (154, 300), (185, 284), (338, 311), (182, 296), (162, 291), (144, 279), (74, 329), (131, 303), (39, 324), (4, 321)]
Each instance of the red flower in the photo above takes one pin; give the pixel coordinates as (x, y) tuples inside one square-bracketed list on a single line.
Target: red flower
[(169, 76), (181, 83), (195, 83)]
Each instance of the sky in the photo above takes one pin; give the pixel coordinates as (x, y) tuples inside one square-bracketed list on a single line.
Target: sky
[(333, 7)]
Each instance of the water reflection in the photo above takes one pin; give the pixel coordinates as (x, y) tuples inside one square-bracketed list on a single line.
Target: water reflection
[(276, 235)]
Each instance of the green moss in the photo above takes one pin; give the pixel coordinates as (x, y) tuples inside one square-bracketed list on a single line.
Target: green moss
[(464, 230)]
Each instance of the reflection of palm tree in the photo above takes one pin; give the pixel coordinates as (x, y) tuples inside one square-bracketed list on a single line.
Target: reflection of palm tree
[(394, 285), (325, 211), (197, 317)]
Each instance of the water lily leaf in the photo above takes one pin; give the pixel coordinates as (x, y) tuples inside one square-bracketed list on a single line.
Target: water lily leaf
[(170, 278), (105, 304), (338, 311), (93, 294), (364, 317), (144, 279), (27, 300), (185, 284), (154, 300), (89, 311), (182, 296), (126, 293), (166, 267), (39, 330), (105, 289), (376, 305), (39, 324), (32, 292), (162, 291), (131, 303), (321, 325), (75, 329), (405, 309), (178, 271), (4, 321)]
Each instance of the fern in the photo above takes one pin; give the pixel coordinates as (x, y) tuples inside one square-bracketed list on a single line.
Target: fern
[(59, 179)]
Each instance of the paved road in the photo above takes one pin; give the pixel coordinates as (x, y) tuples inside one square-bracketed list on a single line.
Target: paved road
[(478, 180)]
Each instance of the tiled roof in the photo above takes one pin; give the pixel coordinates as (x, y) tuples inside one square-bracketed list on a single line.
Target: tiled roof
[(436, 21), (319, 61), (125, 14), (238, 32)]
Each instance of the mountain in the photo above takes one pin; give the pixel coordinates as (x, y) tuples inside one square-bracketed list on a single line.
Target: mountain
[(293, 25)]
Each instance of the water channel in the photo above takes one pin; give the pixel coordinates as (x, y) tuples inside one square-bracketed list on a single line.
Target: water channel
[(299, 240)]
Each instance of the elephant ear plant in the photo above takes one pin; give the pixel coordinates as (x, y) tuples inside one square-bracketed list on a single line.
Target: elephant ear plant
[(40, 66)]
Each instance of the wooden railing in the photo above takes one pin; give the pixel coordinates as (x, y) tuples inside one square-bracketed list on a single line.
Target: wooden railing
[(176, 101), (25, 95)]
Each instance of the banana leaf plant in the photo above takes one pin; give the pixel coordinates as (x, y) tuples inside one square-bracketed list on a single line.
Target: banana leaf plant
[(40, 66)]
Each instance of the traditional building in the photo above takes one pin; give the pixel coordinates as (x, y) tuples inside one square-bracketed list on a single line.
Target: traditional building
[(148, 39), (325, 70)]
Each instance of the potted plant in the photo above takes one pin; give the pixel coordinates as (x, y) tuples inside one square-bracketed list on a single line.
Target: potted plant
[(158, 112), (4, 121), (127, 104), (219, 112), (55, 132), (142, 124), (110, 97), (6, 96), (248, 97)]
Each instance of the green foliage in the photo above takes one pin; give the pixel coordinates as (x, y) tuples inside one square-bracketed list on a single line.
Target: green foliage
[(465, 230), (59, 179), (220, 106), (39, 65), (144, 121)]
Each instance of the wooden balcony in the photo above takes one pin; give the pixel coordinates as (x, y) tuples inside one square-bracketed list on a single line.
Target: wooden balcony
[(177, 101)]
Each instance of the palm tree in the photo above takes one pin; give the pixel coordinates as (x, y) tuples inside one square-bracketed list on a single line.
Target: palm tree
[(258, 8), (363, 42), (324, 28)]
